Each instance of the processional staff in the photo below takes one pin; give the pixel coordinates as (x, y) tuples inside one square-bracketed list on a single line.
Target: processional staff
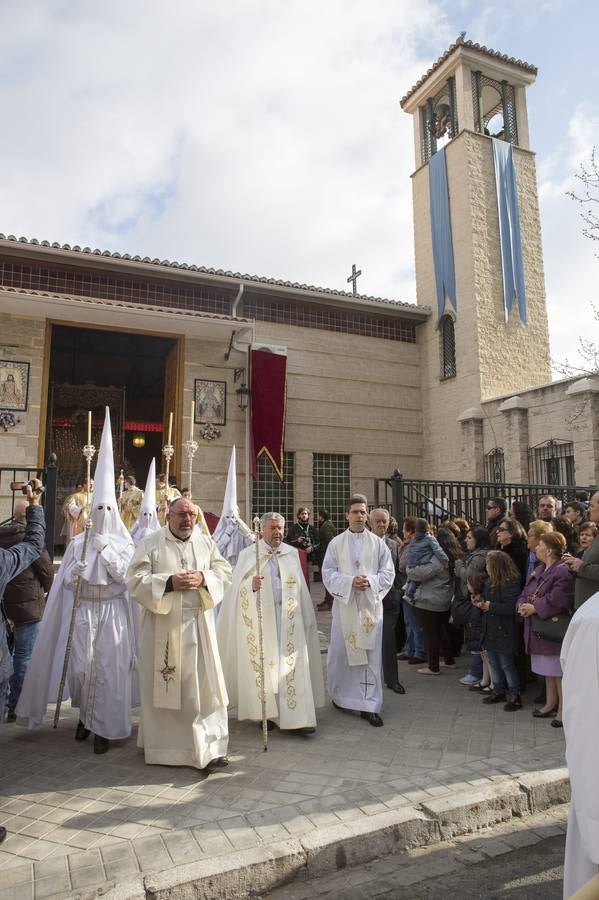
[(260, 636), (168, 451), (88, 452), (191, 447)]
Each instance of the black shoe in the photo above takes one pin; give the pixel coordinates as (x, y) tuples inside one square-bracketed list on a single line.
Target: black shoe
[(557, 723), (372, 719), (270, 725), (397, 687), (101, 744), (2, 833), (81, 732), (221, 762), (513, 704), (11, 716), (307, 729), (494, 698), (538, 714)]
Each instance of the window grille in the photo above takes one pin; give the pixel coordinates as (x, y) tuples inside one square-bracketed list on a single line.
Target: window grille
[(331, 485), (495, 466), (272, 495), (448, 361), (552, 462), (494, 105)]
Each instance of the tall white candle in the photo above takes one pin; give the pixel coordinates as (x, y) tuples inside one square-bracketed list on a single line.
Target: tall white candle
[(193, 408), (89, 427), (170, 427)]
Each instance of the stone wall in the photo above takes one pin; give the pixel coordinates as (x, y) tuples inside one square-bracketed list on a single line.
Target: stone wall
[(22, 339)]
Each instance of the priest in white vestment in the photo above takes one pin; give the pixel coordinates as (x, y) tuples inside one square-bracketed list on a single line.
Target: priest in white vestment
[(293, 667), (580, 664), (178, 576), (102, 657), (358, 572)]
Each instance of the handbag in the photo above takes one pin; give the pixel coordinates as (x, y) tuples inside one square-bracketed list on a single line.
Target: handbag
[(552, 629), (461, 604)]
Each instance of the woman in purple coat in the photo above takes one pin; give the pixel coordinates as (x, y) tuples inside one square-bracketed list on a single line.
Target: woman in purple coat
[(548, 592)]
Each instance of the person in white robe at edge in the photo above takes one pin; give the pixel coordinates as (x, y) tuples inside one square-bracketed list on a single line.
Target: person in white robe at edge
[(178, 576), (580, 664), (102, 657), (358, 572), (294, 682)]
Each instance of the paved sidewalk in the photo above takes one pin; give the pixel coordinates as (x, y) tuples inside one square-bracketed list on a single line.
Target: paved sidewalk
[(76, 820)]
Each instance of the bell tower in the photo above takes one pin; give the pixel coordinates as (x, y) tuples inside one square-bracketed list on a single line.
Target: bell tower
[(478, 252)]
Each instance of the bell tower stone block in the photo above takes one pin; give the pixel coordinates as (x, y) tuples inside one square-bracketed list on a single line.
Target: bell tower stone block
[(478, 252)]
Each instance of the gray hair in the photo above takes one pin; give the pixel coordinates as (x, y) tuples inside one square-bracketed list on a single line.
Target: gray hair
[(379, 509), (270, 515)]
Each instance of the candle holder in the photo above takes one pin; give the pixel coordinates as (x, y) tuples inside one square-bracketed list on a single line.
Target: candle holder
[(89, 452), (190, 448)]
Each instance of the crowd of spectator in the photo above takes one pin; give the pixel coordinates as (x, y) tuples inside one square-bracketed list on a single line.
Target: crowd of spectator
[(503, 592)]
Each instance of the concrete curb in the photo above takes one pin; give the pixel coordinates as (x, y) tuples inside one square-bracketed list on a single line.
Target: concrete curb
[(327, 850)]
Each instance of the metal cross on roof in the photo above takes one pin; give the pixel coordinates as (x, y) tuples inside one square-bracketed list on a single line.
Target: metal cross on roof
[(354, 277)]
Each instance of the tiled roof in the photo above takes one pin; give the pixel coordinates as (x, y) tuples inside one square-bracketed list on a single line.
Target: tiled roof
[(119, 304), (236, 277), (461, 42)]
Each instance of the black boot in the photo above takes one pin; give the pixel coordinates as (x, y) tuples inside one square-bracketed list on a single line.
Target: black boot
[(101, 744), (513, 703)]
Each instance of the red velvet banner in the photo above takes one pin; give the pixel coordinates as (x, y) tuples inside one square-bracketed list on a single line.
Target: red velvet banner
[(268, 385)]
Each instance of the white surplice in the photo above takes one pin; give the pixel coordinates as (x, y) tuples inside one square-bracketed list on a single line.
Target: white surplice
[(354, 658), (580, 664), (183, 693), (99, 676), (293, 666)]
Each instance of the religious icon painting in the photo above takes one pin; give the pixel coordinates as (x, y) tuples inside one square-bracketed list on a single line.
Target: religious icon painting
[(210, 402), (14, 384)]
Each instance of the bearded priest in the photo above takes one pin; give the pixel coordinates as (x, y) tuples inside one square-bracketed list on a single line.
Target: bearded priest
[(178, 576), (293, 667), (358, 572)]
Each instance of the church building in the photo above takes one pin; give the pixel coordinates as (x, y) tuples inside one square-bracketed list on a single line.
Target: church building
[(456, 385)]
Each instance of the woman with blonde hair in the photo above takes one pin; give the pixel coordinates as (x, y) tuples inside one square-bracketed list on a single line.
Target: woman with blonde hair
[(549, 592), (499, 638)]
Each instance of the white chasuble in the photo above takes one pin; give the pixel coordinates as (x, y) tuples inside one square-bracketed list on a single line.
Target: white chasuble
[(182, 688), (580, 664), (354, 655), (294, 684)]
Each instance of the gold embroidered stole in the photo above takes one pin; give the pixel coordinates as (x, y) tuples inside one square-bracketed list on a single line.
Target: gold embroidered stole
[(361, 614)]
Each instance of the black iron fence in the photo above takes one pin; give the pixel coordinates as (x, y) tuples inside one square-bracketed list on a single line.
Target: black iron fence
[(439, 500), (49, 476)]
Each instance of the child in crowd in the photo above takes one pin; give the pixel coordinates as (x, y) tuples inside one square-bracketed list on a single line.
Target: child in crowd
[(421, 550)]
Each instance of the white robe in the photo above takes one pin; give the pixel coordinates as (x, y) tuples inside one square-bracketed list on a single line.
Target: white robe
[(354, 681), (293, 665), (580, 664), (183, 694), (102, 658)]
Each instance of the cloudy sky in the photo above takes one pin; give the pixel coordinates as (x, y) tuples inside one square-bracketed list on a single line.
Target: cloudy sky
[(267, 137)]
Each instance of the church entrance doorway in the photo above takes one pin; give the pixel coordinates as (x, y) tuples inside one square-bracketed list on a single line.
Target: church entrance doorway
[(139, 376)]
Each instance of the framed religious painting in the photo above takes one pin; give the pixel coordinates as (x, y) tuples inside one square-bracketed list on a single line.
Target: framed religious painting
[(210, 402), (14, 385)]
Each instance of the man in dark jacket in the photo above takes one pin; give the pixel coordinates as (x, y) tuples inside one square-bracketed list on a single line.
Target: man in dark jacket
[(379, 522), (496, 511), (326, 533), (13, 561), (23, 602), (587, 568)]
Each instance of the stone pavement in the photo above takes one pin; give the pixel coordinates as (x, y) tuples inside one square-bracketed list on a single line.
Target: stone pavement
[(77, 821)]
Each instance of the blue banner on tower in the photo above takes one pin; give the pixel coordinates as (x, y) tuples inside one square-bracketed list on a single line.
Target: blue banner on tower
[(441, 230), (509, 229)]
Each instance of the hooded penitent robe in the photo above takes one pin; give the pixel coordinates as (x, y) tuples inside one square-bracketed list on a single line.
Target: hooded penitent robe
[(580, 664), (293, 666), (354, 657), (183, 694), (102, 657)]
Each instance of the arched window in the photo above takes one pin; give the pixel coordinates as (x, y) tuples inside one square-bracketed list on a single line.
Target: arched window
[(447, 333)]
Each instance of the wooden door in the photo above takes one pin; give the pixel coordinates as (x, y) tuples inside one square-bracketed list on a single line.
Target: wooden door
[(173, 403)]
